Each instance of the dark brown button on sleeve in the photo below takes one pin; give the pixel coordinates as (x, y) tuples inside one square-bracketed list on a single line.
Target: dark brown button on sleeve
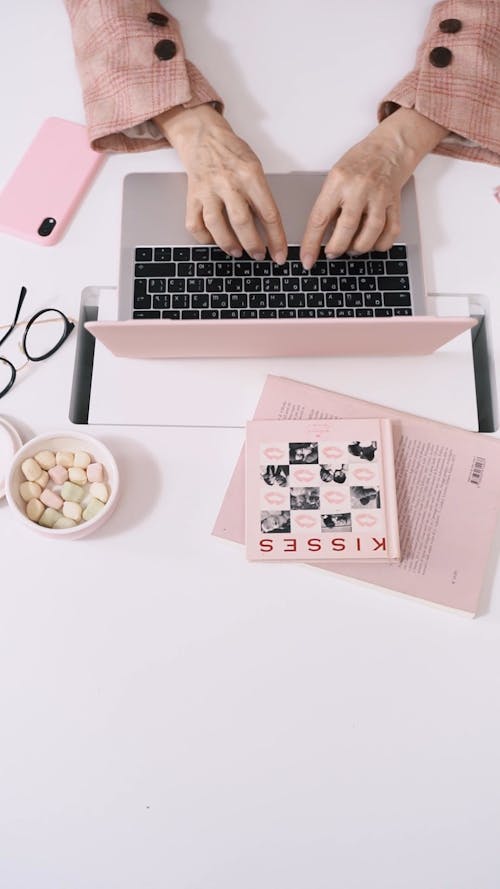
[(157, 18), (440, 56), (165, 50), (450, 26)]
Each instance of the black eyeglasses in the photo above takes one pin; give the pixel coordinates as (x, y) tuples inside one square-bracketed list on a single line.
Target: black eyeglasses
[(32, 345)]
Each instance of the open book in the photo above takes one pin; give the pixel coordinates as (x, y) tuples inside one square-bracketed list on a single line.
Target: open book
[(321, 489), (448, 491)]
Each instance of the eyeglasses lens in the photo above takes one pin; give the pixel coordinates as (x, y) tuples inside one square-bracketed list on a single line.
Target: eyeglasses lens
[(5, 375), (44, 334)]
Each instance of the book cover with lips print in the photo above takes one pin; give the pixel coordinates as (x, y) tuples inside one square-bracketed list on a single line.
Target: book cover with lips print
[(321, 489)]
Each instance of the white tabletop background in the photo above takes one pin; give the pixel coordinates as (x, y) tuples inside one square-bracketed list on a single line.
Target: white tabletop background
[(172, 716)]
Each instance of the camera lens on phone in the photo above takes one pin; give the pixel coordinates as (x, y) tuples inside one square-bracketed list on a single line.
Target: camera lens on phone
[(47, 226)]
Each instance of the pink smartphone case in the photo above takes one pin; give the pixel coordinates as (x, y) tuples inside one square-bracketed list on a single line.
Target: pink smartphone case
[(48, 182)]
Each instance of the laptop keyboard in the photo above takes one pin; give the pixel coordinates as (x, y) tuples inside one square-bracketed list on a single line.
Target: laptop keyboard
[(194, 282)]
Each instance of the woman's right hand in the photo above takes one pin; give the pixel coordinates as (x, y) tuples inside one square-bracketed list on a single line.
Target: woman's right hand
[(227, 187)]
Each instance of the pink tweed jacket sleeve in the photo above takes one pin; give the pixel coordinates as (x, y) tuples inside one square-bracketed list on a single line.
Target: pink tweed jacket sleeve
[(132, 67), (456, 80)]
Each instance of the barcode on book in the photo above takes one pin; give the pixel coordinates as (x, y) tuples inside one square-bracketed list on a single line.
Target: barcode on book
[(477, 470)]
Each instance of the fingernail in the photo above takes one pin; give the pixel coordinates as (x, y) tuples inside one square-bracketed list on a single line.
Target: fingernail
[(332, 255), (308, 261), (236, 253), (259, 256), (280, 257)]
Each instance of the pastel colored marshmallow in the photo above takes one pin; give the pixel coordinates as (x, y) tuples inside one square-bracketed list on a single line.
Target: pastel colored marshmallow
[(31, 469), (30, 491), (99, 491), (93, 507), (50, 498), (63, 522), (82, 459), (72, 510), (59, 474), (95, 472), (46, 459), (77, 475), (34, 510), (65, 458), (70, 491), (42, 479), (49, 517)]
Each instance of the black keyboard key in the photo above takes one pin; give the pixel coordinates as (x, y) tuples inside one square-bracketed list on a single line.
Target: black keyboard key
[(200, 300), (268, 313), (238, 300), (181, 254), (271, 285), (140, 287), (176, 285), (334, 301), (219, 301), (180, 301), (257, 301), (397, 299), (248, 313), (146, 316), (210, 314), (353, 300), (171, 315), (243, 268), (190, 315), (379, 254), (204, 269), (297, 268), (398, 251), (383, 313), (154, 269), (214, 285), (263, 269), (195, 285), (253, 285), (337, 267), (157, 285), (315, 300), (277, 300), (161, 301), (296, 300), (229, 313), (396, 267), (222, 269), (393, 283), (186, 269), (402, 310), (291, 285), (143, 254), (355, 267), (347, 284), (142, 301), (233, 285), (163, 254), (344, 313), (365, 284), (329, 284), (307, 313), (278, 270), (217, 253), (320, 267), (309, 284), (287, 313), (326, 313), (375, 267), (364, 313), (294, 252), (373, 299), (200, 254)]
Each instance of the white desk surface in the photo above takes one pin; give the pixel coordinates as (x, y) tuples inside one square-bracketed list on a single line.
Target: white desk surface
[(171, 715)]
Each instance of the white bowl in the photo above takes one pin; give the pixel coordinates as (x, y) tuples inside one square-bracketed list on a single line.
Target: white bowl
[(62, 441)]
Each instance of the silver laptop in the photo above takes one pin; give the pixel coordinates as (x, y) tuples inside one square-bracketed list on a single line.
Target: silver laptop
[(180, 299)]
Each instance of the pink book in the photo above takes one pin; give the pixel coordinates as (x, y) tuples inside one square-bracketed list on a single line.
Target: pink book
[(448, 491), (321, 489)]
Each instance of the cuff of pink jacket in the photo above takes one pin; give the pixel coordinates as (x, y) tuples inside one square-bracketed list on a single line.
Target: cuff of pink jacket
[(137, 131), (464, 96)]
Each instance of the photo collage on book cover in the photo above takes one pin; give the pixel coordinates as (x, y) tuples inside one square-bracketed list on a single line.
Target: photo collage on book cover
[(320, 487)]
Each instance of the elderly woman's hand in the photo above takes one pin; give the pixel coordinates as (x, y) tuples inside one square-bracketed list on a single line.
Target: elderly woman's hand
[(227, 188), (360, 197)]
